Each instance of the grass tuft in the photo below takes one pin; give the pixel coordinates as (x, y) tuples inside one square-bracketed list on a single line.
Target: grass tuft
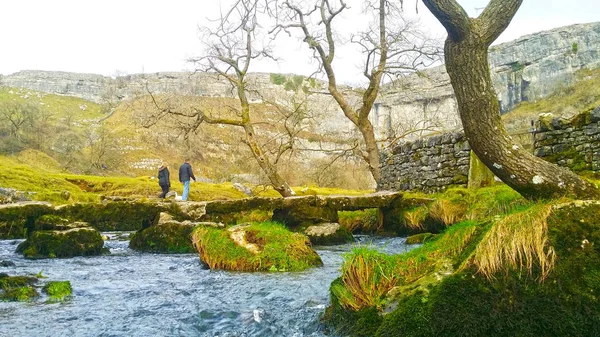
[(519, 240), (367, 276)]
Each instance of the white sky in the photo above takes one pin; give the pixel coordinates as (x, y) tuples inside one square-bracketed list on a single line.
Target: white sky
[(146, 36)]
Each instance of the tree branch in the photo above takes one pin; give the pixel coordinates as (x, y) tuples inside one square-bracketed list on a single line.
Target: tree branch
[(452, 16)]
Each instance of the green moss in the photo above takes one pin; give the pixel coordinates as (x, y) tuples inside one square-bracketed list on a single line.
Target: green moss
[(16, 222), (279, 249), (165, 238), (359, 222), (114, 216), (20, 294), (511, 303), (50, 244), (18, 288), (16, 281), (419, 238), (58, 290)]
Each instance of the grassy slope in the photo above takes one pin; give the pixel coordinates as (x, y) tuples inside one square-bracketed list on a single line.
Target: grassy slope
[(35, 172)]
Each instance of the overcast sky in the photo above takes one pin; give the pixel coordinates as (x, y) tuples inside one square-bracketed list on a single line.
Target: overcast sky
[(146, 36)]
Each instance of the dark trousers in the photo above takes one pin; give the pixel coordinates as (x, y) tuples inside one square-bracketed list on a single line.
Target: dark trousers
[(165, 190)]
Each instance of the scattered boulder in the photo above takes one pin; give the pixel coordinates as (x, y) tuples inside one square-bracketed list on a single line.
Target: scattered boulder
[(15, 219), (6, 263), (17, 288), (325, 234), (10, 195), (166, 237), (81, 241)]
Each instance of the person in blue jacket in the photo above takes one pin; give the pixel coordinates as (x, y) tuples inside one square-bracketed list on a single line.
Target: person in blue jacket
[(185, 174)]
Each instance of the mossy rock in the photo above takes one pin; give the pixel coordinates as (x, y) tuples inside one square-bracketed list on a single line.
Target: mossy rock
[(55, 222), (512, 302), (419, 238), (114, 216), (169, 237), (17, 288), (267, 246), (69, 243), (16, 220), (58, 290), (304, 215), (328, 234)]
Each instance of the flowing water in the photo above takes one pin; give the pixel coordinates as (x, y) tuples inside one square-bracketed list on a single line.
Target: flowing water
[(128, 293)]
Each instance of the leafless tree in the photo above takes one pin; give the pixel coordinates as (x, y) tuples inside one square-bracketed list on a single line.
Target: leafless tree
[(231, 46), (392, 46)]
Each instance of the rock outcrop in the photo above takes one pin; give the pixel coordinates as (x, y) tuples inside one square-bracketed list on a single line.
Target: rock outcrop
[(522, 70)]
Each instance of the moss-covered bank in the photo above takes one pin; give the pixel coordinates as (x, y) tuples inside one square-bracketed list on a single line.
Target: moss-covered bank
[(533, 272), (266, 246)]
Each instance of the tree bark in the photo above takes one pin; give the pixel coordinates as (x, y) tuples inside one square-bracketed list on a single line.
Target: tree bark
[(277, 182), (466, 54)]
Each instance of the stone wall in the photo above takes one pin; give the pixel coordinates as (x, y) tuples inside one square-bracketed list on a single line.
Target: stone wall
[(429, 164), (571, 143), (434, 163)]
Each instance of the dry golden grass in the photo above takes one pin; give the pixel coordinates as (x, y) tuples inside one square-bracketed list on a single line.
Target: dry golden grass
[(414, 218), (520, 240), (367, 277), (446, 211)]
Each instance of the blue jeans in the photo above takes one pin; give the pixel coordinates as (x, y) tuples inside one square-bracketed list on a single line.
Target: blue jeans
[(186, 190)]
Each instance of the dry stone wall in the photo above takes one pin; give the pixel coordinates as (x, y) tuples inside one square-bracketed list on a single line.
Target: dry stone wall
[(574, 144), (437, 162), (429, 164)]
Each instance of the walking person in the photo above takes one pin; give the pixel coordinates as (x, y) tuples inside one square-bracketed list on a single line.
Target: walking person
[(164, 180), (185, 174)]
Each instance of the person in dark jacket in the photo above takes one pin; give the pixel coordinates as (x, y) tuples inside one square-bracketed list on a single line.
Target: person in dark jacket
[(164, 179), (185, 174)]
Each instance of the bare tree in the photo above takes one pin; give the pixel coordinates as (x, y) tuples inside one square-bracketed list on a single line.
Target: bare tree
[(230, 48), (466, 53), (388, 49)]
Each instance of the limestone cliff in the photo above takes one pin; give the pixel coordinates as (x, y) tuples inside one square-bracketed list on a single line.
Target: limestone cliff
[(525, 69), (522, 70)]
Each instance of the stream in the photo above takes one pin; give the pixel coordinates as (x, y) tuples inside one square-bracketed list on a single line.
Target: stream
[(128, 293)]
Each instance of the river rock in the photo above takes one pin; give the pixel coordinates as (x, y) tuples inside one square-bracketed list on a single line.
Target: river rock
[(169, 236), (17, 288), (6, 263), (328, 234), (81, 241)]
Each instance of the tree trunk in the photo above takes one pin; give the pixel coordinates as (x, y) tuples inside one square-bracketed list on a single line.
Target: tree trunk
[(277, 182), (371, 149), (466, 53)]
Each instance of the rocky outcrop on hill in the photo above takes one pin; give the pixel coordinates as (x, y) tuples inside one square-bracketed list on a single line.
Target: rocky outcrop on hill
[(522, 70), (525, 69)]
